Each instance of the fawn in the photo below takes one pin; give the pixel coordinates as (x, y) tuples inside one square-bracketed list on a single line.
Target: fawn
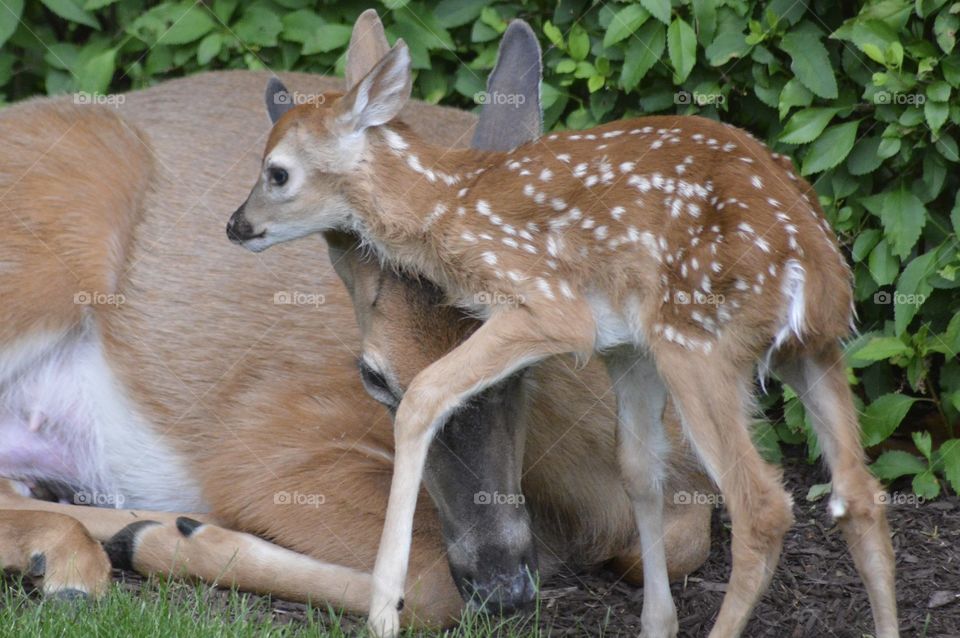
[(678, 249)]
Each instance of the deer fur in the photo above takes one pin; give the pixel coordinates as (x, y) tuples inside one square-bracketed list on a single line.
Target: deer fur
[(209, 399), (612, 242)]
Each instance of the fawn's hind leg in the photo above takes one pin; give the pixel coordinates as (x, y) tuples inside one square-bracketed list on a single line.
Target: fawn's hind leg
[(820, 382), (712, 396), (642, 447)]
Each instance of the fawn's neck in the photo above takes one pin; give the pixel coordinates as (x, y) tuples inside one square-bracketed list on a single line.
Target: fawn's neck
[(415, 185)]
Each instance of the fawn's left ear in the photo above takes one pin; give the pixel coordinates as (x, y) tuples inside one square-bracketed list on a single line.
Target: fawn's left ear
[(381, 94)]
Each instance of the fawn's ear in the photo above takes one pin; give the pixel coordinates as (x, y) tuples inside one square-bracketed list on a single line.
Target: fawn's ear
[(511, 113), (278, 99), (381, 94), (368, 45)]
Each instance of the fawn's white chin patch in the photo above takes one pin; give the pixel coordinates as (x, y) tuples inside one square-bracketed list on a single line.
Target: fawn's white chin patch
[(258, 244)]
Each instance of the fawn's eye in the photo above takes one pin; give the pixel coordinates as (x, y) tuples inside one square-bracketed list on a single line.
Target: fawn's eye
[(278, 176)]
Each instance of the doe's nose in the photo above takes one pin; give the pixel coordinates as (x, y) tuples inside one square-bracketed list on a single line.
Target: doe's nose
[(505, 594)]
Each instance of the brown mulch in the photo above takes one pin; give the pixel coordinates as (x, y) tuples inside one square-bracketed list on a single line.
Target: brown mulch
[(815, 593)]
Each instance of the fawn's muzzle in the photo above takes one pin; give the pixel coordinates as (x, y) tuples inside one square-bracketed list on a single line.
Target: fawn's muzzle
[(239, 229)]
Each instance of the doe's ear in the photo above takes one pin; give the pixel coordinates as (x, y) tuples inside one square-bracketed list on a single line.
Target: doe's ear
[(381, 94), (278, 99), (512, 114), (368, 45)]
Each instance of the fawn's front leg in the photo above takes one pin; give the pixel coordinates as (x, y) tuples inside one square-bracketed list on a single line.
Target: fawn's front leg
[(508, 341)]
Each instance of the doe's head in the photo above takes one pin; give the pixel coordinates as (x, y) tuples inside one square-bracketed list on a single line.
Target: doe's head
[(311, 175)]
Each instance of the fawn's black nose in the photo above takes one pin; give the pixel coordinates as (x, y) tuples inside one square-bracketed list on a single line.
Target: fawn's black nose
[(239, 229)]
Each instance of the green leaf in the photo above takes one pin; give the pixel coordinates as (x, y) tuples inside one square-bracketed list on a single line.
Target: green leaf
[(258, 26), (456, 13), (864, 243), (726, 46), (903, 217), (810, 64), (682, 48), (893, 464), (938, 91), (72, 11), (881, 349), (945, 30), (831, 148), (793, 94), (553, 34), (327, 37), (863, 158), (950, 455), (806, 125), (926, 485), (191, 24), (659, 9), (818, 491), (209, 48), (10, 12), (300, 26), (889, 146), (624, 22), (873, 35), (224, 9), (95, 74), (642, 53), (765, 439), (883, 265), (882, 417), (924, 443), (705, 17), (579, 42), (913, 288), (936, 114)]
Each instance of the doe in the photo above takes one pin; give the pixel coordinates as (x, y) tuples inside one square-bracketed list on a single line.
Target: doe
[(680, 250)]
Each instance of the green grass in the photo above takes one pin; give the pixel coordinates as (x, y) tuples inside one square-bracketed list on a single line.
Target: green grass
[(162, 609)]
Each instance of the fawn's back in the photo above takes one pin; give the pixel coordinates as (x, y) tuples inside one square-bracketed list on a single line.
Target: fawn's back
[(691, 221)]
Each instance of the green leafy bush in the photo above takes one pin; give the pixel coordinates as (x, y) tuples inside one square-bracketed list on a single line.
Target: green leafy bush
[(862, 97)]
